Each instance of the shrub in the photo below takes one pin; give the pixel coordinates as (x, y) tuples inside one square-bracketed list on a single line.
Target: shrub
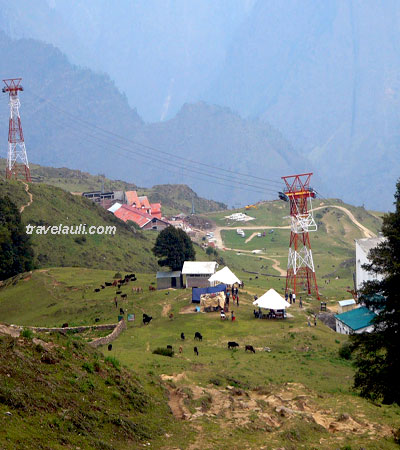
[(113, 361), (345, 351), (27, 333), (88, 367), (163, 351), (118, 275)]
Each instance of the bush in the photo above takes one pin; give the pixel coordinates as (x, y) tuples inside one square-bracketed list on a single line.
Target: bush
[(345, 351), (88, 367), (27, 333), (113, 361), (163, 351), (118, 275)]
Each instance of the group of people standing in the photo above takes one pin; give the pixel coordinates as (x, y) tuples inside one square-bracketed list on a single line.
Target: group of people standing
[(291, 297), (234, 295)]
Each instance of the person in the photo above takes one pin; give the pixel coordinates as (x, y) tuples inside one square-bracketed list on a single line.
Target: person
[(233, 289), (294, 297), (300, 303), (259, 313), (255, 314), (255, 297), (233, 316), (286, 296), (290, 298), (315, 320), (236, 291), (308, 321), (237, 300)]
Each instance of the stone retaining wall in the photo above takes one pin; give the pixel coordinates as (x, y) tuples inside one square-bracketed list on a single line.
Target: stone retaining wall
[(110, 326), (121, 326)]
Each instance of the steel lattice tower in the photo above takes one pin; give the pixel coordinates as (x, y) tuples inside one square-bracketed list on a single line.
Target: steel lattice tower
[(300, 268), (17, 160)]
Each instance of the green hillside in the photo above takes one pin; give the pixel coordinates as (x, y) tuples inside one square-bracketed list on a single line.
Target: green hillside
[(174, 198), (126, 250), (57, 393)]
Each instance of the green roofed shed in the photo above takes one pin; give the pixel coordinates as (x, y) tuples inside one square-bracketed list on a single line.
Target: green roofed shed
[(358, 320)]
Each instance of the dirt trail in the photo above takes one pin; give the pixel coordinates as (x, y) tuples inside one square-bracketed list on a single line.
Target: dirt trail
[(217, 232), (275, 265), (21, 209), (166, 309)]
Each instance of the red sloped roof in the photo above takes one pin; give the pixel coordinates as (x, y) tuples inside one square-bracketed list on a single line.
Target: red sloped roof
[(132, 198), (126, 213), (144, 202)]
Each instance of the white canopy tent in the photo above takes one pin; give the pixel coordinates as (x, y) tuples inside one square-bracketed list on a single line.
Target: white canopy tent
[(225, 276), (271, 300)]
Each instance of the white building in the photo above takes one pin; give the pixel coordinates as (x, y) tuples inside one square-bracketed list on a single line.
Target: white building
[(346, 305), (363, 247), (197, 273)]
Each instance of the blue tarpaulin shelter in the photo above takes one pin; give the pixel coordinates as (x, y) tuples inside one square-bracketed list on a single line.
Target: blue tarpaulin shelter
[(196, 292)]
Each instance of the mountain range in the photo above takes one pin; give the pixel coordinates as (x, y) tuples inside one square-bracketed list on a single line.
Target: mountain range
[(323, 76)]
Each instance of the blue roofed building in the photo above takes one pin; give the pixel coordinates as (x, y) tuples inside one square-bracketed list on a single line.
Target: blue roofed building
[(357, 320)]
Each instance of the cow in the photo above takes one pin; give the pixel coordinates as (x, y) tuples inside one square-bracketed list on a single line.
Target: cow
[(109, 347), (97, 290), (232, 344), (97, 319), (180, 349), (196, 351), (169, 347), (118, 292), (121, 311), (124, 295), (114, 283), (183, 336), (249, 348), (103, 287), (146, 319), (107, 283), (198, 336), (64, 325), (171, 316), (152, 288)]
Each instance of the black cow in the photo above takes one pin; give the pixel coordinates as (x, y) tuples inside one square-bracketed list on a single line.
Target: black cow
[(109, 347), (169, 347), (107, 283), (103, 287), (249, 348), (118, 292), (198, 336), (124, 295), (146, 319), (182, 336), (196, 351), (232, 344), (64, 325), (121, 311), (97, 319), (97, 290)]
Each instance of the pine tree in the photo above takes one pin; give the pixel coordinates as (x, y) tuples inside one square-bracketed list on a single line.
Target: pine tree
[(377, 355), (16, 254), (175, 247)]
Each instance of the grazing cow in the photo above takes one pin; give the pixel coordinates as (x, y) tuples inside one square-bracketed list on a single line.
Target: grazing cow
[(183, 336), (121, 311), (169, 347), (102, 286), (232, 344), (107, 283), (146, 319), (171, 316), (118, 292), (198, 336), (124, 295), (249, 348), (97, 319), (180, 349), (64, 325), (122, 282), (152, 288), (196, 351), (97, 290), (119, 286), (115, 282), (109, 347)]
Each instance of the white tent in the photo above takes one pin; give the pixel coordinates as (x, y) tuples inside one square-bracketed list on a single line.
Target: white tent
[(271, 300), (225, 276)]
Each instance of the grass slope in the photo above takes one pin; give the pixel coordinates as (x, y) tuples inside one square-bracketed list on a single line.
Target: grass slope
[(231, 397), (126, 250), (58, 393)]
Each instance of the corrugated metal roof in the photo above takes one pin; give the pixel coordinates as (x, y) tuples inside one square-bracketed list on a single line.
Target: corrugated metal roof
[(357, 318), (199, 267), (114, 207), (126, 213), (175, 274), (132, 198), (347, 302)]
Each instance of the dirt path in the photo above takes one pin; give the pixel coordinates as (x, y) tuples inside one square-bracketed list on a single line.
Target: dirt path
[(30, 198), (367, 233), (217, 232), (166, 309)]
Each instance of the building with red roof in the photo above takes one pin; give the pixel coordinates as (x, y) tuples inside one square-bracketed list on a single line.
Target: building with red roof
[(141, 218)]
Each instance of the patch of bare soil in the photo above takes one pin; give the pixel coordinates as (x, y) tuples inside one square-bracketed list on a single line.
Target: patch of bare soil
[(9, 330), (188, 309), (271, 409), (166, 309)]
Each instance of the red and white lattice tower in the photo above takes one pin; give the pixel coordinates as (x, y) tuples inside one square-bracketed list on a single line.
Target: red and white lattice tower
[(300, 268), (17, 160)]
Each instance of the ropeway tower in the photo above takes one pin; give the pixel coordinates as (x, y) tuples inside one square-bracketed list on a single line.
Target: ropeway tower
[(300, 268), (17, 160)]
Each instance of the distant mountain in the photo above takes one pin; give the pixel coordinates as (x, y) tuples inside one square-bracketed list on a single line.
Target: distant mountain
[(65, 111), (326, 74)]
